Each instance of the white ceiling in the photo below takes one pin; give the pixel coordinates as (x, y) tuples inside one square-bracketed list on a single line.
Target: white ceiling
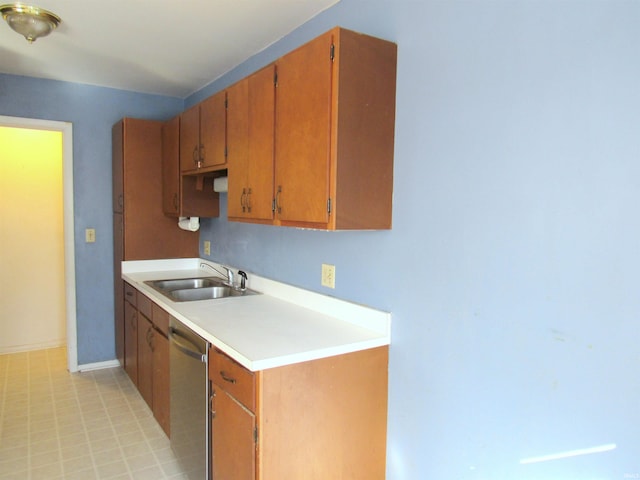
[(164, 47)]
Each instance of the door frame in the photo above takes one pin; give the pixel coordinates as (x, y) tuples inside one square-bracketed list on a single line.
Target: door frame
[(66, 128)]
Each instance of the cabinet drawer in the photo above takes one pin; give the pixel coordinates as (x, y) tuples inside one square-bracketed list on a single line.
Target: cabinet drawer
[(130, 294), (232, 377), (144, 305), (160, 319)]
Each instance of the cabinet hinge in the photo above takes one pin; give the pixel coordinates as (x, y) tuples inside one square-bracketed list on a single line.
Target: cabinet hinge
[(332, 53), (329, 206)]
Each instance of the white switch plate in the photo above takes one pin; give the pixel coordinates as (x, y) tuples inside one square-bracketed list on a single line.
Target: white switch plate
[(90, 235), (328, 275), (207, 247)]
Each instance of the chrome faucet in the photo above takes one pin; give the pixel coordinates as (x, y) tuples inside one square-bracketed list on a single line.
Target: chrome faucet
[(228, 271), (229, 276)]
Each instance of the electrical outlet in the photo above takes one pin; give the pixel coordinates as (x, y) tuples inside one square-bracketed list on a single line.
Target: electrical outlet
[(328, 275), (207, 247), (90, 235)]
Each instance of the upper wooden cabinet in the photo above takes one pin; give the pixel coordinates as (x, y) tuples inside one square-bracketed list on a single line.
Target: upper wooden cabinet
[(183, 196), (203, 136), (307, 141), (171, 167), (137, 189), (334, 133), (250, 141)]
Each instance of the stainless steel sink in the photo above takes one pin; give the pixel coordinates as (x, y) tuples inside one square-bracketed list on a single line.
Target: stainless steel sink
[(184, 283), (193, 289)]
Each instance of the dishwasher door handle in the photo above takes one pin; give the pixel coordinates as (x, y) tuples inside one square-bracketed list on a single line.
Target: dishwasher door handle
[(177, 340)]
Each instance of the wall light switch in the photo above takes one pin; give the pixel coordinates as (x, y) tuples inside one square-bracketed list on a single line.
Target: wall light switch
[(90, 235), (328, 275), (207, 247)]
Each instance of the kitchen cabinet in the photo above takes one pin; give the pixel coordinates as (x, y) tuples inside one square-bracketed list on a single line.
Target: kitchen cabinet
[(183, 196), (233, 419), (161, 386), (145, 359), (140, 228), (118, 284), (147, 352), (131, 333), (203, 136), (334, 133), (250, 145), (137, 159), (319, 419)]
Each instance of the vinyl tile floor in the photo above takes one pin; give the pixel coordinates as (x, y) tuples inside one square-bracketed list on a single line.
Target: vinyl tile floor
[(93, 425)]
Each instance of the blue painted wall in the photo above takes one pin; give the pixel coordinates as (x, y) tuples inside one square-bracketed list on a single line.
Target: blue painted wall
[(92, 111), (511, 269)]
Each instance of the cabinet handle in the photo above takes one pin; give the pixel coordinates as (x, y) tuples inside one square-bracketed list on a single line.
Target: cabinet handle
[(132, 321), (203, 155), (211, 397), (278, 207), (242, 199), (150, 338), (226, 377), (249, 200), (195, 157)]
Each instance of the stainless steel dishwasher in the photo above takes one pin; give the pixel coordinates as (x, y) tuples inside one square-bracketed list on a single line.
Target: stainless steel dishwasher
[(189, 396)]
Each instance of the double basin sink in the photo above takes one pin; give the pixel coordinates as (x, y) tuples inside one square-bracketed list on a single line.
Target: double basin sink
[(200, 288)]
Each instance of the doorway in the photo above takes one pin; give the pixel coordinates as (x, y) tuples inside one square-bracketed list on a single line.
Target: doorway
[(38, 248)]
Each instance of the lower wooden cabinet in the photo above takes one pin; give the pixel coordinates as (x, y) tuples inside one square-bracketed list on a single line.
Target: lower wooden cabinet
[(315, 420), (145, 359), (147, 352), (130, 336), (161, 393), (233, 419), (233, 426)]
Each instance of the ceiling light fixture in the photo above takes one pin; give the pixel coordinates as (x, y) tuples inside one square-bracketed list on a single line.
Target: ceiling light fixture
[(29, 21)]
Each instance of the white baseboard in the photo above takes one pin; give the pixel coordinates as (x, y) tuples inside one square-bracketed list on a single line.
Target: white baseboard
[(98, 365), (31, 347)]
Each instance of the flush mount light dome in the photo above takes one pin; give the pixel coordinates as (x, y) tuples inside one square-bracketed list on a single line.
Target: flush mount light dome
[(29, 21)]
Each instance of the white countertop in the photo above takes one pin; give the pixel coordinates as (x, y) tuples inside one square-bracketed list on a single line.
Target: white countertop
[(283, 325)]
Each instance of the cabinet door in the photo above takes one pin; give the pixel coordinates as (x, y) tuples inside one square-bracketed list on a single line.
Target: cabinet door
[(161, 385), (190, 139), (145, 359), (117, 145), (171, 167), (131, 342), (303, 114), (238, 148), (213, 127), (233, 446), (250, 143), (261, 144), (118, 285)]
